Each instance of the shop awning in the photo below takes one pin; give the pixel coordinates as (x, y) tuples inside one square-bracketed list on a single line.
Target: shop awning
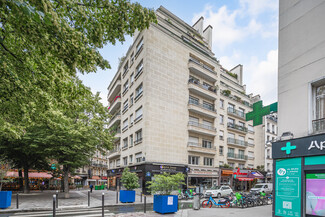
[(14, 174), (256, 175), (95, 177), (227, 172), (76, 177), (245, 179)]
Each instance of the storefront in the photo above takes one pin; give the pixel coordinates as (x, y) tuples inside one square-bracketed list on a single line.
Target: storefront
[(145, 173), (299, 177), (225, 177), (205, 177)]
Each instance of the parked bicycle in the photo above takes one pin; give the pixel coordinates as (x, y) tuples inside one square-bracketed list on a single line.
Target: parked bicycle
[(223, 203)]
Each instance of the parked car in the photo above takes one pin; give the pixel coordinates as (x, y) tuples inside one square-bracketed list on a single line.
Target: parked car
[(262, 187), (219, 191)]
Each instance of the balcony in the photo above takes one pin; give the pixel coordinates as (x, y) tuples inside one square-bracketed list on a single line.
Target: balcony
[(236, 113), (233, 156), (319, 126), (117, 134), (116, 118), (115, 105), (204, 129), (202, 90), (94, 164), (202, 109), (237, 142), (116, 152), (202, 70), (199, 148), (237, 128), (227, 94), (114, 91)]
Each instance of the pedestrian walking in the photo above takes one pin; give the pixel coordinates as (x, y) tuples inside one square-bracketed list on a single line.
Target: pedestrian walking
[(91, 188)]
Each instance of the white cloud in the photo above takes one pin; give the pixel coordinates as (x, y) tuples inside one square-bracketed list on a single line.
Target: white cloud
[(261, 77), (256, 7)]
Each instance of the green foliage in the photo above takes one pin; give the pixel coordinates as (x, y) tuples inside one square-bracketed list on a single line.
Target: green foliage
[(226, 92), (260, 168), (4, 168), (234, 75), (165, 183), (130, 180), (225, 166)]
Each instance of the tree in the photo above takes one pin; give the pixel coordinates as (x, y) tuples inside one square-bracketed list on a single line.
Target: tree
[(165, 183), (44, 43), (130, 180), (4, 168)]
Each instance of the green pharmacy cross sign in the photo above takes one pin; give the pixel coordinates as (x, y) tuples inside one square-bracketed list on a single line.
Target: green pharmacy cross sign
[(259, 111), (288, 148)]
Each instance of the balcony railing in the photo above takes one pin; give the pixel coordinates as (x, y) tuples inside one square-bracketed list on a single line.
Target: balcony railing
[(319, 125), (236, 98), (98, 165), (202, 65), (193, 144), (236, 112), (237, 156), (138, 141), (237, 127), (237, 142), (116, 115), (205, 106), (205, 126), (196, 82)]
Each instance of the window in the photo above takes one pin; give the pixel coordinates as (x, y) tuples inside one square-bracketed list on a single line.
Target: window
[(241, 166), (125, 161), (131, 99), (250, 166), (273, 129), (268, 155), (138, 92), (193, 100), (250, 141), (232, 165), (206, 144), (138, 157), (231, 121), (250, 129), (231, 135), (241, 153), (194, 160), (221, 135), (138, 114), (131, 140), (250, 154), (118, 163), (125, 68), (138, 69), (138, 136), (241, 138), (231, 106), (206, 86), (132, 78), (268, 127), (221, 119), (125, 124), (125, 86), (125, 143), (208, 106), (242, 124), (131, 119), (221, 150), (242, 111), (139, 47), (125, 105), (193, 141), (132, 58), (207, 125), (268, 138), (208, 161), (131, 159), (221, 103), (231, 152), (194, 119), (221, 163)]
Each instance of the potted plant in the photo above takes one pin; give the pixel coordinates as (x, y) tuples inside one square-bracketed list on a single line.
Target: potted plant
[(161, 186), (130, 182), (5, 196)]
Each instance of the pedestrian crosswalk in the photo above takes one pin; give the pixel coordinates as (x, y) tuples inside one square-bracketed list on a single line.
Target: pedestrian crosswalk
[(84, 212)]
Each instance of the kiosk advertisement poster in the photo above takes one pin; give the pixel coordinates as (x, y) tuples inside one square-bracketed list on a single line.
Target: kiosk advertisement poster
[(288, 187), (315, 194)]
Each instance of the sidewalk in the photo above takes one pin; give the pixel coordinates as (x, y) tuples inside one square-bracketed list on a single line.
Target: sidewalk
[(37, 200)]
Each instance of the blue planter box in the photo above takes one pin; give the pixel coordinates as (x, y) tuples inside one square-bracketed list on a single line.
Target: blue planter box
[(127, 196), (165, 203), (5, 199)]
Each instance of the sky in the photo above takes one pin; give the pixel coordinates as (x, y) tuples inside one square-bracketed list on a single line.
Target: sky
[(244, 32)]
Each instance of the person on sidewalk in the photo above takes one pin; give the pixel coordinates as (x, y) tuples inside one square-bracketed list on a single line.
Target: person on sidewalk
[(91, 188)]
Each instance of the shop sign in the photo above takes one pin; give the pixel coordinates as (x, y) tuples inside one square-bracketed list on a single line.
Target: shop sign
[(306, 146), (288, 187), (148, 174), (167, 168)]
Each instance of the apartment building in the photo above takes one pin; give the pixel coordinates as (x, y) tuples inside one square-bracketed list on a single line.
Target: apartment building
[(176, 109), (96, 172)]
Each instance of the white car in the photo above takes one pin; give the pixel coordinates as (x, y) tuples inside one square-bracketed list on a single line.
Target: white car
[(219, 191)]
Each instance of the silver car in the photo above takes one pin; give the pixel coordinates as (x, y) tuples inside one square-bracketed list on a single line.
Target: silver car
[(219, 191)]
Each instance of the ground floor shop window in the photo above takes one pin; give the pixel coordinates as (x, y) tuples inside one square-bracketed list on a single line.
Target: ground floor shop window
[(315, 194)]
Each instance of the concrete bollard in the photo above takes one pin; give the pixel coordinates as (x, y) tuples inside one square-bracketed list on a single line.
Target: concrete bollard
[(103, 203), (145, 204), (17, 200), (54, 206), (57, 199), (89, 198)]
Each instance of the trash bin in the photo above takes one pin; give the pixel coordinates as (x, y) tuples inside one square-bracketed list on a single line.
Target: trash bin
[(196, 202)]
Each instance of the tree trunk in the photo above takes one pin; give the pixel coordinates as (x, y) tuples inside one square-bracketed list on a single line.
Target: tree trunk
[(26, 179), (66, 181), (20, 179)]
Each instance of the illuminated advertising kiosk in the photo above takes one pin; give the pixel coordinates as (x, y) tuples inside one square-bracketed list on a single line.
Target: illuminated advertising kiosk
[(299, 177)]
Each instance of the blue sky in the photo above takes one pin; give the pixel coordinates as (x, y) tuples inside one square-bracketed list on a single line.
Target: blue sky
[(244, 32)]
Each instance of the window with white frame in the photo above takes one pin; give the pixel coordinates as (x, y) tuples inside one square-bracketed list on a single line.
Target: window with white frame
[(221, 163), (232, 165), (138, 91), (242, 124), (207, 124), (125, 105), (125, 161), (138, 136), (221, 134), (126, 67), (241, 166), (250, 154), (138, 157), (131, 159), (250, 166), (138, 114), (138, 69), (206, 144), (131, 78), (131, 119), (231, 135), (118, 163), (231, 106), (194, 120), (231, 121), (220, 150), (193, 141), (131, 140), (250, 141), (221, 103), (125, 142), (221, 119), (250, 128), (131, 99), (126, 86), (125, 123), (193, 160), (132, 58), (208, 161), (139, 47), (193, 100)]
